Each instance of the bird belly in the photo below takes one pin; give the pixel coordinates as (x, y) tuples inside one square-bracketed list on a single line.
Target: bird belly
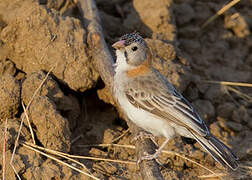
[(147, 120), (143, 119)]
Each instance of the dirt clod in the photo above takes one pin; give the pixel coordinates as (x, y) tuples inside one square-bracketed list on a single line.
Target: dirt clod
[(32, 35), (67, 104), (9, 96)]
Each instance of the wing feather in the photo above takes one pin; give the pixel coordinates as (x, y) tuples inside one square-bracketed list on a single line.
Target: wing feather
[(162, 99)]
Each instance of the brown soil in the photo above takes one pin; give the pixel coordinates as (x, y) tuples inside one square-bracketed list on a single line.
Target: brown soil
[(73, 107)]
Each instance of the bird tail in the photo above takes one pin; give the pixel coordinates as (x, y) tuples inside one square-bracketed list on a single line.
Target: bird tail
[(219, 151)]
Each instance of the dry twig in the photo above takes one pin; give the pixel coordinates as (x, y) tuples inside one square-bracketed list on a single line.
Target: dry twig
[(4, 148), (29, 124), (58, 153), (219, 175), (59, 161), (240, 94), (164, 151), (119, 137), (22, 120), (69, 156), (220, 12), (229, 83)]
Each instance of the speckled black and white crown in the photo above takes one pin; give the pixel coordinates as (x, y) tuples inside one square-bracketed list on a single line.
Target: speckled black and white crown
[(132, 37)]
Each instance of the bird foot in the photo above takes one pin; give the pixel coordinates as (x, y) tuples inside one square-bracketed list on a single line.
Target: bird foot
[(150, 157)]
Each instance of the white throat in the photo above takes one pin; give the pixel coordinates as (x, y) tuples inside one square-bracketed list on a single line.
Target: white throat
[(121, 64)]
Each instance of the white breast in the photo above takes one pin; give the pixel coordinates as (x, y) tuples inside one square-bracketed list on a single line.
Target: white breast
[(140, 117)]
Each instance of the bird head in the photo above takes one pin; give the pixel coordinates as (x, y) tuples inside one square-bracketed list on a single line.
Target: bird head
[(131, 51)]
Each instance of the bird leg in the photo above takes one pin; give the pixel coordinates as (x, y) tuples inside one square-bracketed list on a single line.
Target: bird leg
[(155, 155), (144, 135)]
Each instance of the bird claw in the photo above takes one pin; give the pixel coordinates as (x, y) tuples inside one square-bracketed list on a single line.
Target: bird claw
[(148, 157)]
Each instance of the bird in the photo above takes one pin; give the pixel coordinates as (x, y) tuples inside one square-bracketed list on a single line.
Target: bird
[(152, 103)]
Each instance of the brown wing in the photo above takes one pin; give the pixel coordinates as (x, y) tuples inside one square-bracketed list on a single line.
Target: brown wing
[(155, 94)]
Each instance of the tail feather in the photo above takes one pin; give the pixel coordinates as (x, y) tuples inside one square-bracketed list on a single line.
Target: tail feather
[(219, 151)]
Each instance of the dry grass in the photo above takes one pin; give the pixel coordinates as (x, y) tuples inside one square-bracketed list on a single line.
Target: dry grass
[(119, 137), (29, 124), (22, 120), (240, 94), (229, 83), (220, 12), (59, 161), (32, 146), (70, 157), (4, 148), (164, 151)]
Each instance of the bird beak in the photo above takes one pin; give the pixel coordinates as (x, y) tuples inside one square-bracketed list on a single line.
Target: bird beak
[(119, 44)]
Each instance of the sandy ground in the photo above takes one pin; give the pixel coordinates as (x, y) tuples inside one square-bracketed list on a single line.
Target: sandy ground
[(73, 108)]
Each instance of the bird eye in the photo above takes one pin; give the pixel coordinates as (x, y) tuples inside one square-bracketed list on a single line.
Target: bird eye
[(134, 48)]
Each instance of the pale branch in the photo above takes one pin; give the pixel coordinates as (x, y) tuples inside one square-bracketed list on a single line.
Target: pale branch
[(104, 61)]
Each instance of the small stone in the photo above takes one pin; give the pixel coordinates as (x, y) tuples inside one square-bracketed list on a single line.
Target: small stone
[(108, 167), (202, 87), (205, 108), (9, 96), (234, 126), (190, 46), (238, 24), (250, 124), (215, 94), (97, 152), (248, 60), (215, 129), (52, 128), (240, 115), (64, 103), (192, 93), (189, 31), (225, 110), (185, 12), (7, 67), (109, 135), (243, 145)]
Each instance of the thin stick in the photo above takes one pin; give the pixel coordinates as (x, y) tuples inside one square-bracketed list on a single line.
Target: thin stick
[(4, 148), (103, 159), (58, 153), (164, 151), (219, 175), (242, 95), (229, 83), (76, 139), (220, 12), (15, 147), (15, 171), (29, 124), (59, 161), (22, 119), (123, 134), (108, 145), (246, 167), (41, 84), (46, 47), (79, 157), (188, 159)]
